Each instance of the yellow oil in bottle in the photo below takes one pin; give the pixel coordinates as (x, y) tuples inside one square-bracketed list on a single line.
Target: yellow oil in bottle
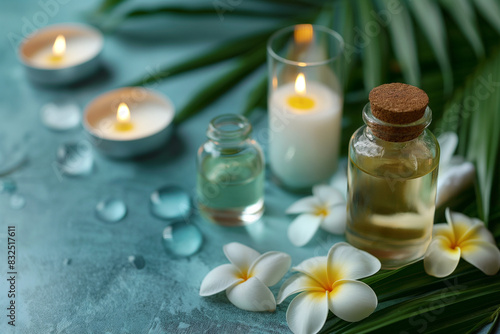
[(391, 207)]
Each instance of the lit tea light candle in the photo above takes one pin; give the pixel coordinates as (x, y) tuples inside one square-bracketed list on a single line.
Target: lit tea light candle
[(129, 122), (123, 118), (58, 50), (61, 54), (305, 121)]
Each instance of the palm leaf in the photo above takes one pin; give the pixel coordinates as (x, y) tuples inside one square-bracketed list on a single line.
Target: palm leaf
[(490, 10), (197, 11), (480, 120), (220, 53), (371, 48), (343, 23), (431, 21), (463, 13), (403, 43), (244, 66)]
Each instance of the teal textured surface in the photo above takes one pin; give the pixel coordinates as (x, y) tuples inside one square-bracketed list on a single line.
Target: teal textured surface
[(74, 272)]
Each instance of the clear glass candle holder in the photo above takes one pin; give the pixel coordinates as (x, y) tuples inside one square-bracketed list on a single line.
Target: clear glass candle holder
[(305, 104)]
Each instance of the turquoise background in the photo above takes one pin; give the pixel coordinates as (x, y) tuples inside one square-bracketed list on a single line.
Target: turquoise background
[(100, 291)]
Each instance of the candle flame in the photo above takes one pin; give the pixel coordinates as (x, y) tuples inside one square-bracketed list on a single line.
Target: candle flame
[(303, 33), (300, 84), (59, 46), (123, 113)]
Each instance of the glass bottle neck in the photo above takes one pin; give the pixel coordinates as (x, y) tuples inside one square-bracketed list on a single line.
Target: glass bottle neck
[(395, 132), (229, 130)]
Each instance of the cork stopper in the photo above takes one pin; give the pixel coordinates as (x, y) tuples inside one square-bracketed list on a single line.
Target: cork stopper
[(398, 104)]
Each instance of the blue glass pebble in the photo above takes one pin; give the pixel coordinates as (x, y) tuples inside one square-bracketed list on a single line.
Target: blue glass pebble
[(61, 115), (75, 158), (111, 210), (182, 239), (7, 186), (17, 201), (137, 261), (170, 202)]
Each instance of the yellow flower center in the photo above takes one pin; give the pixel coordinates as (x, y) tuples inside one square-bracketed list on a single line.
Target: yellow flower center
[(321, 211)]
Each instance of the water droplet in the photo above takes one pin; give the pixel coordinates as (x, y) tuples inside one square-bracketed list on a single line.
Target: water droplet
[(75, 158), (182, 239), (170, 202), (17, 201), (12, 154), (60, 116), (7, 186), (137, 261), (111, 210), (67, 262)]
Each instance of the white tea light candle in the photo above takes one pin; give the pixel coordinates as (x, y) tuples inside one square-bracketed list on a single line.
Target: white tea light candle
[(304, 138), (61, 54), (129, 122)]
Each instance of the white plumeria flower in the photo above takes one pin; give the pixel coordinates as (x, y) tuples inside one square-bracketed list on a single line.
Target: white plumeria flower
[(461, 237), (330, 283), (247, 277), (455, 174), (325, 209)]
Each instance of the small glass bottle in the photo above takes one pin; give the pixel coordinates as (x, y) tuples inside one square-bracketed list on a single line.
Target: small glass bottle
[(230, 181), (392, 176)]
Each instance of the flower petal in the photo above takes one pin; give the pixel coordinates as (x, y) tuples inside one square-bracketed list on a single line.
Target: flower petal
[(461, 223), (448, 142), (352, 300), (336, 220), (297, 283), (443, 230), (307, 204), (252, 295), (440, 260), (327, 194), (240, 255), (482, 255), (479, 231), (303, 228), (270, 267), (219, 279), (315, 268), (307, 312), (453, 180), (348, 262)]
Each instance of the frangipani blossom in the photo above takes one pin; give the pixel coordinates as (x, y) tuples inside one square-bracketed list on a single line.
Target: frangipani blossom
[(247, 277), (325, 209), (461, 237), (330, 283), (455, 174)]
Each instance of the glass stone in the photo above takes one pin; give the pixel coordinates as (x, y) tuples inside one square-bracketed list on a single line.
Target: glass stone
[(170, 202), (17, 201), (7, 186), (12, 154), (137, 261), (75, 158), (111, 210), (60, 116), (182, 239)]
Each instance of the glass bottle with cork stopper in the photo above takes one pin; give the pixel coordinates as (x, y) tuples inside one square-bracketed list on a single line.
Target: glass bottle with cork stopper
[(392, 176)]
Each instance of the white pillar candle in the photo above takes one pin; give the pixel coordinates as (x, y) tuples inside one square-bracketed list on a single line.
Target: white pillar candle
[(305, 124)]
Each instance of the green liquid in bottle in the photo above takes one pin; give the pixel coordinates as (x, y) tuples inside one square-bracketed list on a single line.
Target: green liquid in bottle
[(230, 189)]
